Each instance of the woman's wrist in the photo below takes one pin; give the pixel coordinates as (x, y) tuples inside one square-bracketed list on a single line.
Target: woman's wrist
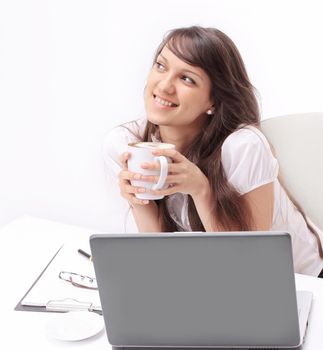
[(146, 217), (203, 189), (204, 203), (204, 197)]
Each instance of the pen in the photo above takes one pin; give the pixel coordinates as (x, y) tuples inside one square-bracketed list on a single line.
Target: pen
[(87, 255)]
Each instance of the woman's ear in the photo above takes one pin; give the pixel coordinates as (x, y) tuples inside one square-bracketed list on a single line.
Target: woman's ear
[(210, 111)]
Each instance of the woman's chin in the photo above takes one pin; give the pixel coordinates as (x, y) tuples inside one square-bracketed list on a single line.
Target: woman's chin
[(154, 119)]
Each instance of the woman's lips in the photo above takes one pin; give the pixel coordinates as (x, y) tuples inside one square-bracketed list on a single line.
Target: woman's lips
[(163, 102)]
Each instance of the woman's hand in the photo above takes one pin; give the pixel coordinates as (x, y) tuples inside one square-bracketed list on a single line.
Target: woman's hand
[(183, 175), (145, 212), (126, 189)]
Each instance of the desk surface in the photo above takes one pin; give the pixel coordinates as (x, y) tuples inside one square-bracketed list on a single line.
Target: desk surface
[(27, 245)]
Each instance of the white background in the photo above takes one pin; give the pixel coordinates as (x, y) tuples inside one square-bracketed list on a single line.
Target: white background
[(72, 69)]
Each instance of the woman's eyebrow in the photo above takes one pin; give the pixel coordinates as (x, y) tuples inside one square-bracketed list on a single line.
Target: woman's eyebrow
[(163, 57), (185, 70)]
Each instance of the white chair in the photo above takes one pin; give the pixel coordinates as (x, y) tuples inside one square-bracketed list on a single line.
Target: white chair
[(298, 144)]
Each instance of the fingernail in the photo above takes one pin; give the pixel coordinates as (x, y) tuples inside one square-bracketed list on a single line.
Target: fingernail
[(145, 201), (137, 176), (142, 190)]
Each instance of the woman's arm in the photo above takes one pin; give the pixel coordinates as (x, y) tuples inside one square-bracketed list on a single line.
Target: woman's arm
[(204, 203), (147, 217), (187, 178), (144, 212), (261, 204), (259, 200)]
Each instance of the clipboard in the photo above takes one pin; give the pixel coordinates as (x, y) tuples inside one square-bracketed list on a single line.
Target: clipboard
[(51, 294)]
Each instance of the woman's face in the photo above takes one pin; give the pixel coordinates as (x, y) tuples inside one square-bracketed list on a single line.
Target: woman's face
[(177, 94)]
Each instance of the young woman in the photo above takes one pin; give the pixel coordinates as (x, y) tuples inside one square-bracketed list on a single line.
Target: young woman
[(223, 175)]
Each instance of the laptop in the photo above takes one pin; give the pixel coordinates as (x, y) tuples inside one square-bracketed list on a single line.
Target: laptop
[(199, 290)]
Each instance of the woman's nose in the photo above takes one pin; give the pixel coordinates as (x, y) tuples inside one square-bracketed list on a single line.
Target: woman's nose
[(166, 85)]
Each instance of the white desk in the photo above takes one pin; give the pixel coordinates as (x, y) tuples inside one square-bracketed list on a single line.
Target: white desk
[(28, 243)]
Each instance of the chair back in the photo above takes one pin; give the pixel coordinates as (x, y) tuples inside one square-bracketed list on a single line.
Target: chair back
[(298, 145)]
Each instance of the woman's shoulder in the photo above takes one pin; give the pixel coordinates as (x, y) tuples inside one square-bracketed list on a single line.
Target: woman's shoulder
[(132, 130), (125, 133), (246, 135), (247, 159), (246, 140), (116, 139)]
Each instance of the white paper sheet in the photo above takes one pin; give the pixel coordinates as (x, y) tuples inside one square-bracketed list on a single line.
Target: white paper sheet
[(51, 289)]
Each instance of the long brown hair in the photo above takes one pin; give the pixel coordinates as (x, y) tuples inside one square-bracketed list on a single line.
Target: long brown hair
[(235, 105)]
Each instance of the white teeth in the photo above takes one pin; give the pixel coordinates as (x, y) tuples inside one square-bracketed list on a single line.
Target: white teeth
[(163, 102)]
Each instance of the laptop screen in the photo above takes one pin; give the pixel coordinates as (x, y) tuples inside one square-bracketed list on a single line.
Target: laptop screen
[(229, 289)]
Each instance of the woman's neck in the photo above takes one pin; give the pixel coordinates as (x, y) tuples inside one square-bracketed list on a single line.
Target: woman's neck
[(181, 137)]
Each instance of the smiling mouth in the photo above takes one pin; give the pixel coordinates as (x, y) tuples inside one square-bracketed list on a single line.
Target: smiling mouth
[(164, 102)]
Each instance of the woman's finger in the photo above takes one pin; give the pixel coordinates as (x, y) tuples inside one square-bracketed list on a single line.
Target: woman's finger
[(174, 179), (172, 167), (128, 175), (128, 192), (150, 178), (136, 200), (169, 179), (166, 192), (171, 153), (150, 166), (133, 200), (133, 189), (124, 159)]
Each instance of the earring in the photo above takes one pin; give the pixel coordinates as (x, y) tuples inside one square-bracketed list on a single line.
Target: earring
[(209, 112)]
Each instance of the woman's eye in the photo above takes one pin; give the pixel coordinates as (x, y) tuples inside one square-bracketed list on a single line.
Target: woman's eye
[(160, 66), (188, 79)]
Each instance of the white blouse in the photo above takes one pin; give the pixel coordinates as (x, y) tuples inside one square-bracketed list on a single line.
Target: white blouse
[(248, 163)]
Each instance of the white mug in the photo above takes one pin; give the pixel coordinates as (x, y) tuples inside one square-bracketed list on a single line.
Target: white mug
[(141, 152)]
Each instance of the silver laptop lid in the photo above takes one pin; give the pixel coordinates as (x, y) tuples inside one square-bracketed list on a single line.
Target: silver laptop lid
[(197, 289)]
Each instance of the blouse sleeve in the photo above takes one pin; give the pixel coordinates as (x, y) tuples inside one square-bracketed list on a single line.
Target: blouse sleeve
[(114, 144), (247, 160)]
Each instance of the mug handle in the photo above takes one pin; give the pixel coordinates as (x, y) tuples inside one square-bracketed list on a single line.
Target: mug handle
[(163, 172)]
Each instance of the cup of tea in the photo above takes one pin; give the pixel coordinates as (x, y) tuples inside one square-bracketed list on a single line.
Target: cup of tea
[(141, 152)]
